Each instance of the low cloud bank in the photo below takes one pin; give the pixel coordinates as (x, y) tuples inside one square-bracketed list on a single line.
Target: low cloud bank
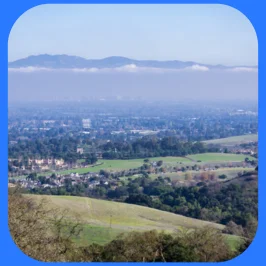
[(132, 68)]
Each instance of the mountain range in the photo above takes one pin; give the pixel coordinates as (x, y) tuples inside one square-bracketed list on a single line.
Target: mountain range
[(75, 62)]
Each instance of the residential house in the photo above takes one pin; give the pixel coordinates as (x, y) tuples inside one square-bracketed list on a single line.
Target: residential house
[(80, 150)]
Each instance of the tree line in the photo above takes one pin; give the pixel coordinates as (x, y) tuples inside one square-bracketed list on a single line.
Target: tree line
[(153, 147), (66, 148)]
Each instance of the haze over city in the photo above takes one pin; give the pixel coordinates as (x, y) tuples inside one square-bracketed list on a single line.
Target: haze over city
[(204, 36)]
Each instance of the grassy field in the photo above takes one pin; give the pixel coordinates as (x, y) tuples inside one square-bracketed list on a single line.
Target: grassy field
[(234, 140), (116, 165), (97, 234), (219, 157), (104, 220), (170, 159), (110, 165), (230, 172)]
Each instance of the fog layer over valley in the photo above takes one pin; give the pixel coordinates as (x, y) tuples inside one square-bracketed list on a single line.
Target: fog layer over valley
[(179, 85)]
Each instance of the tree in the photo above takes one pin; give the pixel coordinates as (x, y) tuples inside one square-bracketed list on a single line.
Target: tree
[(53, 176), (159, 163), (223, 176), (139, 199), (42, 179), (39, 231), (146, 166), (233, 229), (251, 228), (32, 176), (200, 245)]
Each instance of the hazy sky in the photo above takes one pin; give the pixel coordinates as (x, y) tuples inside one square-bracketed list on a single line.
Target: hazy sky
[(214, 34), (197, 85)]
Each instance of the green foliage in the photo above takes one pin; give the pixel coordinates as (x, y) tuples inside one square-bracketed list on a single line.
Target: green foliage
[(41, 232), (63, 147), (201, 245), (223, 176), (153, 147)]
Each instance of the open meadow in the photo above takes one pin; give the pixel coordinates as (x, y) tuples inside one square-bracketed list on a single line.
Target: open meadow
[(119, 165), (219, 157), (229, 172), (171, 161), (104, 220), (236, 140)]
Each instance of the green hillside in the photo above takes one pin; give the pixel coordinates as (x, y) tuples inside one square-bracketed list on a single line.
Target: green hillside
[(104, 220)]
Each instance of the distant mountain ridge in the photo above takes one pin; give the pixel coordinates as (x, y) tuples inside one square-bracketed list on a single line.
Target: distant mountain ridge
[(68, 62)]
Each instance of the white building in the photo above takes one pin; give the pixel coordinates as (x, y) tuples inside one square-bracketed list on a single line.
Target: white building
[(86, 123)]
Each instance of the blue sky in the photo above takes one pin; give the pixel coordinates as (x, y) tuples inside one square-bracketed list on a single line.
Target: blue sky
[(213, 34)]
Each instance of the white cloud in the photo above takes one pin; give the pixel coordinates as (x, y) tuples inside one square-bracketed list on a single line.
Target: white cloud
[(243, 69), (125, 69), (197, 68), (132, 68), (90, 70), (29, 69)]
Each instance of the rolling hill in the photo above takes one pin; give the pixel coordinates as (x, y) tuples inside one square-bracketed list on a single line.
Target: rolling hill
[(104, 220)]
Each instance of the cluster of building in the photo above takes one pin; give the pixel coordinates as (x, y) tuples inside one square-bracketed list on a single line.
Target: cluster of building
[(244, 151), (57, 162), (38, 164), (92, 179)]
